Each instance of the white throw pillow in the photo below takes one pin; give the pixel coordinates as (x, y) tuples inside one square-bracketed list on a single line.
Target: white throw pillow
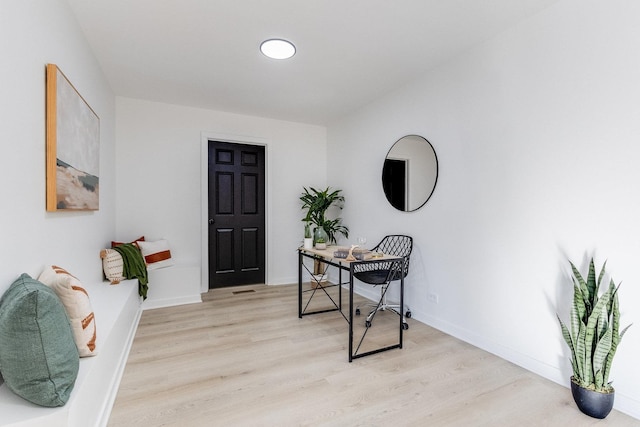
[(156, 254), (76, 302), (112, 265)]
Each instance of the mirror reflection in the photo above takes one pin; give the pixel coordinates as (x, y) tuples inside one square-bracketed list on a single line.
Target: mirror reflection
[(410, 173)]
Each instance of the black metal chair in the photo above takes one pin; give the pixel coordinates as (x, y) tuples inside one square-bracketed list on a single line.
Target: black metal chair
[(383, 273)]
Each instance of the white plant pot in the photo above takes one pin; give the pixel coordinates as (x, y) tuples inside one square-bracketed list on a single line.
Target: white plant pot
[(321, 246), (308, 243)]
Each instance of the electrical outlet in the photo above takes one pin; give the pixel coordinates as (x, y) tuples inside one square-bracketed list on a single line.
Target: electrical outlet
[(432, 297)]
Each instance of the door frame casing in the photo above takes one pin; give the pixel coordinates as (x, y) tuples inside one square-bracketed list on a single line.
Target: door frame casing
[(204, 198)]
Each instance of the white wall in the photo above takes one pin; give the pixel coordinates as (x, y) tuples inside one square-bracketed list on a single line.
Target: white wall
[(159, 177), (537, 136), (32, 34)]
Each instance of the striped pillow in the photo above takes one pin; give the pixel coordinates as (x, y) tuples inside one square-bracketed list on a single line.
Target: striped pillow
[(77, 304), (112, 265), (156, 254)]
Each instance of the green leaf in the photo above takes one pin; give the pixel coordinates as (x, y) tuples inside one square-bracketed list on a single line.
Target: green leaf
[(590, 340), (578, 310), (591, 280), (584, 291), (581, 356), (601, 274), (570, 342), (603, 347), (615, 326)]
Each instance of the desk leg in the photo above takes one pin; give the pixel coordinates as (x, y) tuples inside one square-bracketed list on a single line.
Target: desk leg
[(350, 313), (402, 266), (300, 284), (340, 288)]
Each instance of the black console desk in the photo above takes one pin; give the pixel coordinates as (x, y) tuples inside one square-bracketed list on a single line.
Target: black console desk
[(327, 258)]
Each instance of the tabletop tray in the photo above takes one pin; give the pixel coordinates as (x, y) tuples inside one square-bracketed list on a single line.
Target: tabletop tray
[(358, 253)]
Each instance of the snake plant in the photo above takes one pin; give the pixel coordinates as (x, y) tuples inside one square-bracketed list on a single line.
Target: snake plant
[(594, 332)]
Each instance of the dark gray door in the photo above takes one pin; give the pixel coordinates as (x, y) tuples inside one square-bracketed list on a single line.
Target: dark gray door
[(394, 177), (236, 214)]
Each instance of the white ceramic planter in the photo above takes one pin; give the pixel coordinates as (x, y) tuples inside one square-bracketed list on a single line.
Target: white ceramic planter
[(308, 243)]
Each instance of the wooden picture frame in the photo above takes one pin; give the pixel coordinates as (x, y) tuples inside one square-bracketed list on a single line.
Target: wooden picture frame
[(73, 147)]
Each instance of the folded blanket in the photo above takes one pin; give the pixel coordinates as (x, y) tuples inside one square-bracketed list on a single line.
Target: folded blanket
[(134, 266)]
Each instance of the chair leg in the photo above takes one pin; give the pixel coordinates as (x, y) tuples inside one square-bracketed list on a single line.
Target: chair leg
[(382, 305)]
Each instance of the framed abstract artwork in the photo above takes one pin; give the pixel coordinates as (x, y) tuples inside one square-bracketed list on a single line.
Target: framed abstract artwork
[(73, 147)]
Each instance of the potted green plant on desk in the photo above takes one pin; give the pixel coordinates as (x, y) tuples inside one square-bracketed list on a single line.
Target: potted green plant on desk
[(317, 203), (593, 339)]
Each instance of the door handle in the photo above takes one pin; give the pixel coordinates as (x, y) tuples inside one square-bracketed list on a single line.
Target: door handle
[(212, 221)]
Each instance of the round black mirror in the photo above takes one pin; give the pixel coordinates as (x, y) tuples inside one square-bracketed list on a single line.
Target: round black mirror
[(410, 173)]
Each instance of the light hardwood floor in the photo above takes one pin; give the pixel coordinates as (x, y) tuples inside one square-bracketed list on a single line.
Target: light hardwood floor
[(245, 359)]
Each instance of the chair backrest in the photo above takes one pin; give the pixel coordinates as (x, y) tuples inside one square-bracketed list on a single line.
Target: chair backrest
[(397, 245)]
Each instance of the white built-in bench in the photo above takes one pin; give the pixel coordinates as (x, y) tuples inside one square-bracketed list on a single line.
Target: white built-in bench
[(175, 285), (117, 311)]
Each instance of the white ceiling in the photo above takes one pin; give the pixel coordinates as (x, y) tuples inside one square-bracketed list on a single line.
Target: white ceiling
[(205, 53)]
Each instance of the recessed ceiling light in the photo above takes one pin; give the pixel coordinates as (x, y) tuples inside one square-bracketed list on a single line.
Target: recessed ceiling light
[(278, 48)]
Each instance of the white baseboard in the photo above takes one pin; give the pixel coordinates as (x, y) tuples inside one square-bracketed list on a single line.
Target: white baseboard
[(622, 403), (170, 302)]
